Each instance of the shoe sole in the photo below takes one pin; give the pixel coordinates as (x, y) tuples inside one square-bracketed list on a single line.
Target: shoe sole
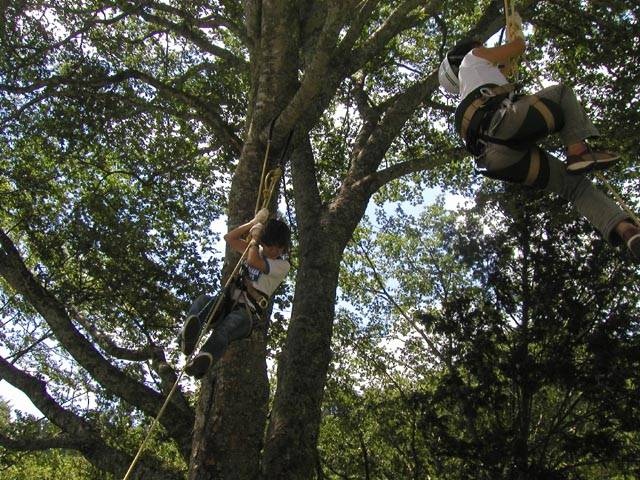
[(191, 370), (633, 244), (189, 335), (589, 166)]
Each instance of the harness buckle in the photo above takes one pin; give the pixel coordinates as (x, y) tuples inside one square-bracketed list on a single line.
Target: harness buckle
[(263, 303)]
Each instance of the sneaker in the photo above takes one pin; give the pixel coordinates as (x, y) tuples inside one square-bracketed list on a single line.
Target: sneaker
[(189, 335), (199, 365), (588, 161)]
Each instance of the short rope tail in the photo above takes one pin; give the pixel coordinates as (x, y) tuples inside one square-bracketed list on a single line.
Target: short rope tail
[(264, 166), (269, 185), (269, 180)]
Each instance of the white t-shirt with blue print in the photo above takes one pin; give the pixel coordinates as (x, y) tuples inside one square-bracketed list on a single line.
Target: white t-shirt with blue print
[(267, 282)]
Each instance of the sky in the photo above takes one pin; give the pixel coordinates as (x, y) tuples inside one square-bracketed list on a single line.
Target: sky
[(17, 400)]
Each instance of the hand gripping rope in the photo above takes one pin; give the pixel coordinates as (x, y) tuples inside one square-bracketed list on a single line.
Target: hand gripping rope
[(268, 182), (509, 12)]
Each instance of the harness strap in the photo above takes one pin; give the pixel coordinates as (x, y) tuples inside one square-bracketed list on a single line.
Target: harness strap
[(258, 298), (477, 108), (534, 168), (253, 297), (544, 111), (482, 98)]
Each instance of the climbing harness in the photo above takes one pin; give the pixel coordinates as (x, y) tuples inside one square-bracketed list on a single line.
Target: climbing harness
[(268, 182), (481, 112), (476, 110)]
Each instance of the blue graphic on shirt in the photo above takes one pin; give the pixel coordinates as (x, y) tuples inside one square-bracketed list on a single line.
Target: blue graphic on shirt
[(252, 272)]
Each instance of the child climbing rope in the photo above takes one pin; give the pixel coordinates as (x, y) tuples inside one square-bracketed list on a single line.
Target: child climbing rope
[(264, 269), (501, 129)]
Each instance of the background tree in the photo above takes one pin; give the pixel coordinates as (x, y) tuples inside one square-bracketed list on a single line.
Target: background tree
[(522, 331), (129, 127)]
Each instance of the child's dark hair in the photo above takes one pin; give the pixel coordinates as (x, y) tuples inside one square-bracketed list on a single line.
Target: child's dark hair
[(457, 53), (276, 233)]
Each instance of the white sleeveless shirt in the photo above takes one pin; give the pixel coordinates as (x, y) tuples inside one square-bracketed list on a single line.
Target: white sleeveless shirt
[(475, 72)]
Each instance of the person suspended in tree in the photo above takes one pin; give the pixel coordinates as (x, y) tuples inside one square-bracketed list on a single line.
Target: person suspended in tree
[(264, 269), (501, 129)]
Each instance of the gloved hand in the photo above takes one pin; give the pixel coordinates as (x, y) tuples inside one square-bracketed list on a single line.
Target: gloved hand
[(256, 231), (261, 217), (516, 20), (514, 27)]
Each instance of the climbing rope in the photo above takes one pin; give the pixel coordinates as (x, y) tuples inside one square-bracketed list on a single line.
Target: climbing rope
[(509, 12), (268, 182), (203, 331)]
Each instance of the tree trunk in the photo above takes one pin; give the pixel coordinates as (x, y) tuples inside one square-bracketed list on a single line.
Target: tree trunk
[(292, 435), (232, 409), (231, 414)]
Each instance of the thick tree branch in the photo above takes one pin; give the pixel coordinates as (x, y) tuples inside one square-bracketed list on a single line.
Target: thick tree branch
[(400, 19), (31, 444), (332, 62), (252, 20), (79, 433), (305, 186), (363, 15), (177, 421), (315, 81)]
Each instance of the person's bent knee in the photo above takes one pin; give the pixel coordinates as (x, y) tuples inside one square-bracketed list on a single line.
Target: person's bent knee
[(199, 304), (532, 169)]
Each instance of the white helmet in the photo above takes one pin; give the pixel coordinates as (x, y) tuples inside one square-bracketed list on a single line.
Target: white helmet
[(448, 76)]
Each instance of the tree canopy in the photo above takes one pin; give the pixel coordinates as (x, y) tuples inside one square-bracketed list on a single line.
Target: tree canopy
[(131, 131)]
